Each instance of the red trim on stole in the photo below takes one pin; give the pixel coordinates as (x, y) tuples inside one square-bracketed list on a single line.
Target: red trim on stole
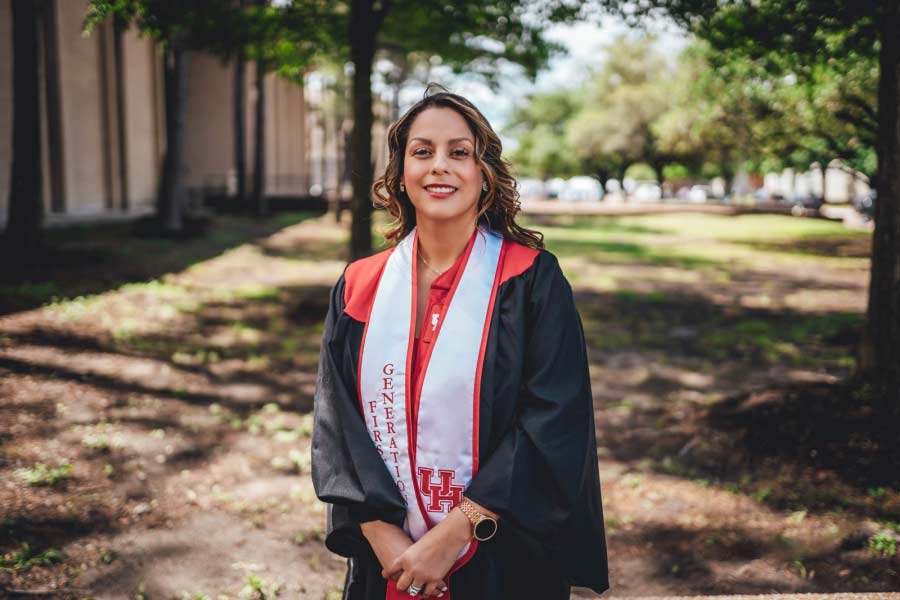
[(408, 397), (505, 270), (518, 259), (362, 276), (480, 364), (360, 284)]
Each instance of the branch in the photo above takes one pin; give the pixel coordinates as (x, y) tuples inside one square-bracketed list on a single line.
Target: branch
[(832, 143), (862, 105), (856, 174), (863, 124)]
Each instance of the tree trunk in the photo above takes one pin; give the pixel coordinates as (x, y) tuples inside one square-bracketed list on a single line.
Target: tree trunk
[(620, 173), (26, 203), (363, 31), (171, 200), (658, 169), (880, 350), (346, 157), (603, 177), (240, 127), (729, 183), (259, 163), (729, 172)]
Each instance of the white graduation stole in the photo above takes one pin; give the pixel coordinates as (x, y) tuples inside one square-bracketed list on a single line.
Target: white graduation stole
[(433, 477)]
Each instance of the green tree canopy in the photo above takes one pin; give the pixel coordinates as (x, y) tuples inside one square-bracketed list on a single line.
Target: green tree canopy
[(539, 126), (606, 127), (826, 44)]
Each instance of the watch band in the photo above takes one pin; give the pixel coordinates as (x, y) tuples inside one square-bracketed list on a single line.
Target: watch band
[(483, 526)]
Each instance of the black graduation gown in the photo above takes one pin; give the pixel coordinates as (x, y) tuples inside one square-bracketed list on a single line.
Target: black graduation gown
[(538, 453)]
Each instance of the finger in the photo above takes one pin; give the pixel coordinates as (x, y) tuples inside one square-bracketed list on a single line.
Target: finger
[(439, 588), (432, 589), (392, 570), (404, 582)]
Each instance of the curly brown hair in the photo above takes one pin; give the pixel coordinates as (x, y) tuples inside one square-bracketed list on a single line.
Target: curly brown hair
[(497, 207)]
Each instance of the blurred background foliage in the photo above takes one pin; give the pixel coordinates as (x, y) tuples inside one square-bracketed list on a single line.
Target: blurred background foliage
[(714, 112)]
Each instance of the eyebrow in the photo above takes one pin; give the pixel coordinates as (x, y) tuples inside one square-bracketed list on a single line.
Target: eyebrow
[(453, 141)]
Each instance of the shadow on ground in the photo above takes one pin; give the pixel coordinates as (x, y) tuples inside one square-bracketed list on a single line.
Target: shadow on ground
[(687, 409), (90, 259)]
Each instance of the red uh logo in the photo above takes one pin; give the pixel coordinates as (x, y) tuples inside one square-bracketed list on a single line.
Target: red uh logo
[(442, 494)]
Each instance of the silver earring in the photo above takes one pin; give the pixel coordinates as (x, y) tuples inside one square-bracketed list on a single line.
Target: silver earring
[(402, 187), (484, 186)]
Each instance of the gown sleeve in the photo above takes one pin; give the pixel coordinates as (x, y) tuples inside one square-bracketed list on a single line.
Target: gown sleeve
[(347, 471), (545, 465)]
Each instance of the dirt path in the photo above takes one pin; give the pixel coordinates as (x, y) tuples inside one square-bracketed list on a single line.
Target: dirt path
[(183, 409)]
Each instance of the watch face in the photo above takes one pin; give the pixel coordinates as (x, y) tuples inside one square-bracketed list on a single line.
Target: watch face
[(485, 529)]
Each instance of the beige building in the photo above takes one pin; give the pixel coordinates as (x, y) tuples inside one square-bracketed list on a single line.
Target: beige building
[(103, 122), (209, 139)]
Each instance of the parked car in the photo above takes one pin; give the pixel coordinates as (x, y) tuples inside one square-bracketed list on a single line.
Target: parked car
[(762, 196), (582, 189), (866, 205), (613, 186), (800, 203), (554, 187), (531, 189), (647, 191), (698, 193)]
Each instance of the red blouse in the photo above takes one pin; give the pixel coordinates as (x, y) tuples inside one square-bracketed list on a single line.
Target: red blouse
[(437, 295)]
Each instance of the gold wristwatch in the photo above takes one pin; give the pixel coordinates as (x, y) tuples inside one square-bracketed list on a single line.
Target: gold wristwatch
[(483, 526)]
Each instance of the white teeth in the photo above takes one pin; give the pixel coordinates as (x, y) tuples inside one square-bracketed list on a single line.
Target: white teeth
[(440, 190)]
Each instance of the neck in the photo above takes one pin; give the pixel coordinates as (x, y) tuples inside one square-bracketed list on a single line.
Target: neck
[(441, 243)]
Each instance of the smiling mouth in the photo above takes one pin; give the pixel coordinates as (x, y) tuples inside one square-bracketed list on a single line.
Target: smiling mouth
[(440, 189)]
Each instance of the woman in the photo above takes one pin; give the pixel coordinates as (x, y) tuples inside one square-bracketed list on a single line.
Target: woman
[(454, 426)]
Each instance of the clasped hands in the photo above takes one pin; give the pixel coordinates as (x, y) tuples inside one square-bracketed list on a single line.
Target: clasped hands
[(424, 563)]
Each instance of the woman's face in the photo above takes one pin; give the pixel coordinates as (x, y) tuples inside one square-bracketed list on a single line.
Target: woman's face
[(442, 179)]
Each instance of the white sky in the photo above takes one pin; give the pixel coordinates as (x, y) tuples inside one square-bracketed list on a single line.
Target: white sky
[(584, 42)]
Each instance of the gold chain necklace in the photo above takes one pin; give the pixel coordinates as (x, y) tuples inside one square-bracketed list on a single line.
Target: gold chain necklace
[(425, 262)]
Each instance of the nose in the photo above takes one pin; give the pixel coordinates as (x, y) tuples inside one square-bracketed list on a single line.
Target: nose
[(439, 165)]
